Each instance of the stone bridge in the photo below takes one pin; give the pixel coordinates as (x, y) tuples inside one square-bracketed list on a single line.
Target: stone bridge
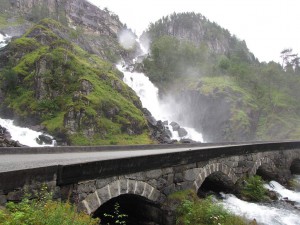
[(150, 178)]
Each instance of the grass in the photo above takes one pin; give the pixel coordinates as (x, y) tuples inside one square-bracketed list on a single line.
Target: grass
[(194, 211), (43, 212), (111, 139)]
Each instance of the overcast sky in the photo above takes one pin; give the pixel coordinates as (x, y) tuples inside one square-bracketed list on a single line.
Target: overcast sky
[(267, 26)]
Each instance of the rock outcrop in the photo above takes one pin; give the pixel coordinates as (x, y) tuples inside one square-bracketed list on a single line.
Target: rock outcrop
[(95, 30), (196, 29), (158, 130)]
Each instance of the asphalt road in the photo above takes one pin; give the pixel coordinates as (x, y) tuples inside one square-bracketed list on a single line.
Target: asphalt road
[(12, 162)]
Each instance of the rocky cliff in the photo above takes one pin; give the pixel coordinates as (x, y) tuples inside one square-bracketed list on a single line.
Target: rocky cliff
[(197, 29), (95, 30)]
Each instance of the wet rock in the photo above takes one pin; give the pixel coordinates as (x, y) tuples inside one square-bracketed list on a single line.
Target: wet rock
[(150, 119), (45, 139), (168, 132), (182, 132), (175, 126), (5, 139), (166, 122)]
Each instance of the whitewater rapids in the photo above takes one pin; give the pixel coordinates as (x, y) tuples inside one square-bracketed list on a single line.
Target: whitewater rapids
[(267, 214)]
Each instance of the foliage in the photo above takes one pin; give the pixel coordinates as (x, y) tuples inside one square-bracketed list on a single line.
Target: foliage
[(205, 212), (254, 189), (43, 211)]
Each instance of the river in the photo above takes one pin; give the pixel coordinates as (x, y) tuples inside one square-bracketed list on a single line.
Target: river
[(276, 213)]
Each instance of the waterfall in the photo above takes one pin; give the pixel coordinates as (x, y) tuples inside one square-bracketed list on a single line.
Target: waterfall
[(4, 39), (149, 96)]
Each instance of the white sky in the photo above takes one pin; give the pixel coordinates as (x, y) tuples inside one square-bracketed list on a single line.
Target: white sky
[(267, 26)]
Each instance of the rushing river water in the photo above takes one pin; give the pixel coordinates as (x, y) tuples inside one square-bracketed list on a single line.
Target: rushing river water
[(275, 213)]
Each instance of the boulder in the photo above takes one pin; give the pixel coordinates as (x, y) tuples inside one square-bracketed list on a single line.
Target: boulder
[(182, 132), (175, 126), (166, 122), (45, 139), (168, 132)]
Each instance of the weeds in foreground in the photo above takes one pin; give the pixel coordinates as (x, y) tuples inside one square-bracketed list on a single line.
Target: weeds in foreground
[(43, 211)]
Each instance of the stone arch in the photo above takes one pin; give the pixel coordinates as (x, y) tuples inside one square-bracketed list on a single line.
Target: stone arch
[(293, 156), (258, 163), (295, 166), (212, 168), (116, 188)]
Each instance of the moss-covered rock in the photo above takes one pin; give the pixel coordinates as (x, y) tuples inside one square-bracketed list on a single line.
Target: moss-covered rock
[(77, 96)]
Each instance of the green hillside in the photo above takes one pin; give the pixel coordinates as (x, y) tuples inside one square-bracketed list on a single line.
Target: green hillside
[(77, 96), (211, 67)]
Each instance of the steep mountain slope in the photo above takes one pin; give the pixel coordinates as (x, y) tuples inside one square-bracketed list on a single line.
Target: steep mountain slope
[(96, 31), (77, 96), (214, 83)]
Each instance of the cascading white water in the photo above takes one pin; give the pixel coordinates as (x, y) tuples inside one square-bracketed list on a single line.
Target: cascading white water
[(148, 94), (263, 214), (23, 135), (284, 193), (4, 40), (267, 214)]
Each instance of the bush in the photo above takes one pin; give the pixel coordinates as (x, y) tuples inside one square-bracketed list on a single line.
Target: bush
[(43, 211), (205, 212), (253, 189)]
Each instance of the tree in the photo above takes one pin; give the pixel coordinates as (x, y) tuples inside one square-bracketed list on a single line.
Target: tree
[(290, 60)]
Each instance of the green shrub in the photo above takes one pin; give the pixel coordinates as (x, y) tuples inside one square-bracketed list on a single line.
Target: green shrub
[(43, 211), (205, 212), (254, 189)]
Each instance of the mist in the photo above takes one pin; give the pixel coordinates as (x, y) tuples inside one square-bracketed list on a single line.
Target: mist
[(127, 39)]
